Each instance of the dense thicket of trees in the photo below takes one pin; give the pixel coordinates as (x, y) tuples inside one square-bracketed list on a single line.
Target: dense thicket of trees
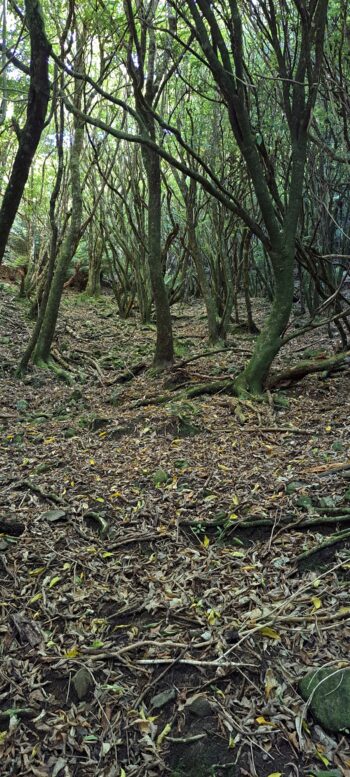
[(180, 149)]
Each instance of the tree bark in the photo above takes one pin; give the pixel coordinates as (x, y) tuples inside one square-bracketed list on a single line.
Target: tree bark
[(70, 244), (164, 352), (38, 98)]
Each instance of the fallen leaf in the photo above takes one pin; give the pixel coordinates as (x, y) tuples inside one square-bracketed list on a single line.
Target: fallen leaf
[(266, 631)]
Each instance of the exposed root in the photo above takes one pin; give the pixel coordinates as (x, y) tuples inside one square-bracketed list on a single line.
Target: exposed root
[(299, 371), (50, 364)]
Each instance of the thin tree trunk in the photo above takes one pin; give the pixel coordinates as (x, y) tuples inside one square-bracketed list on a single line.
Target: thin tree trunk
[(164, 353), (70, 244)]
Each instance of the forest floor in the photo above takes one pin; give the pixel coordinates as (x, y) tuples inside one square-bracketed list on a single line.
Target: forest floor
[(147, 629)]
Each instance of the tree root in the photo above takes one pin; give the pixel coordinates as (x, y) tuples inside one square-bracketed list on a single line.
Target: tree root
[(299, 371), (333, 540), (225, 523), (50, 364), (235, 387)]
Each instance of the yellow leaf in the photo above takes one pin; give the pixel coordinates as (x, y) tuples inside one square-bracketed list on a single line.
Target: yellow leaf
[(72, 483), (235, 499), (35, 598), (263, 722), (107, 554), (316, 602), (328, 428), (212, 616), (37, 571), (270, 683), (322, 758), (266, 631), (237, 554), (206, 541), (232, 742), (275, 774), (163, 734), (99, 499), (344, 610), (115, 494), (233, 517), (54, 581), (92, 462), (73, 652), (145, 724), (122, 773)]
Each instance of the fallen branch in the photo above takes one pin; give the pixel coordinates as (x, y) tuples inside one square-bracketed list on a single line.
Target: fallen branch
[(37, 490), (204, 354), (138, 538), (129, 373)]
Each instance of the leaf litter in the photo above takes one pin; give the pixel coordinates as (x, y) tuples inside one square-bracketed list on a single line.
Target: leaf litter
[(153, 608)]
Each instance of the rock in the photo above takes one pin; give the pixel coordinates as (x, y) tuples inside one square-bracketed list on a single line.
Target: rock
[(293, 486), (159, 477), (303, 501), (327, 773), (22, 405), (82, 683), (161, 699), (70, 432), (53, 515), (99, 423), (41, 468), (199, 706), (329, 692), (75, 395)]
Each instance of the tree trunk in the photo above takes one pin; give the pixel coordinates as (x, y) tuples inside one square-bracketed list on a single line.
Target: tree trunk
[(70, 244), (38, 98), (268, 343), (164, 353), (93, 286)]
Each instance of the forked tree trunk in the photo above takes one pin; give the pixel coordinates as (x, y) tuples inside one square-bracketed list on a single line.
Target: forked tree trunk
[(69, 246)]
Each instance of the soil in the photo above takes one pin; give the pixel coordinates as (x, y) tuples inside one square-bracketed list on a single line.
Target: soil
[(149, 582)]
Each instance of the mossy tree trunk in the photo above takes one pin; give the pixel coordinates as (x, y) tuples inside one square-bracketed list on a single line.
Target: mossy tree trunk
[(70, 243), (147, 72), (93, 286), (164, 351), (224, 54), (29, 136)]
